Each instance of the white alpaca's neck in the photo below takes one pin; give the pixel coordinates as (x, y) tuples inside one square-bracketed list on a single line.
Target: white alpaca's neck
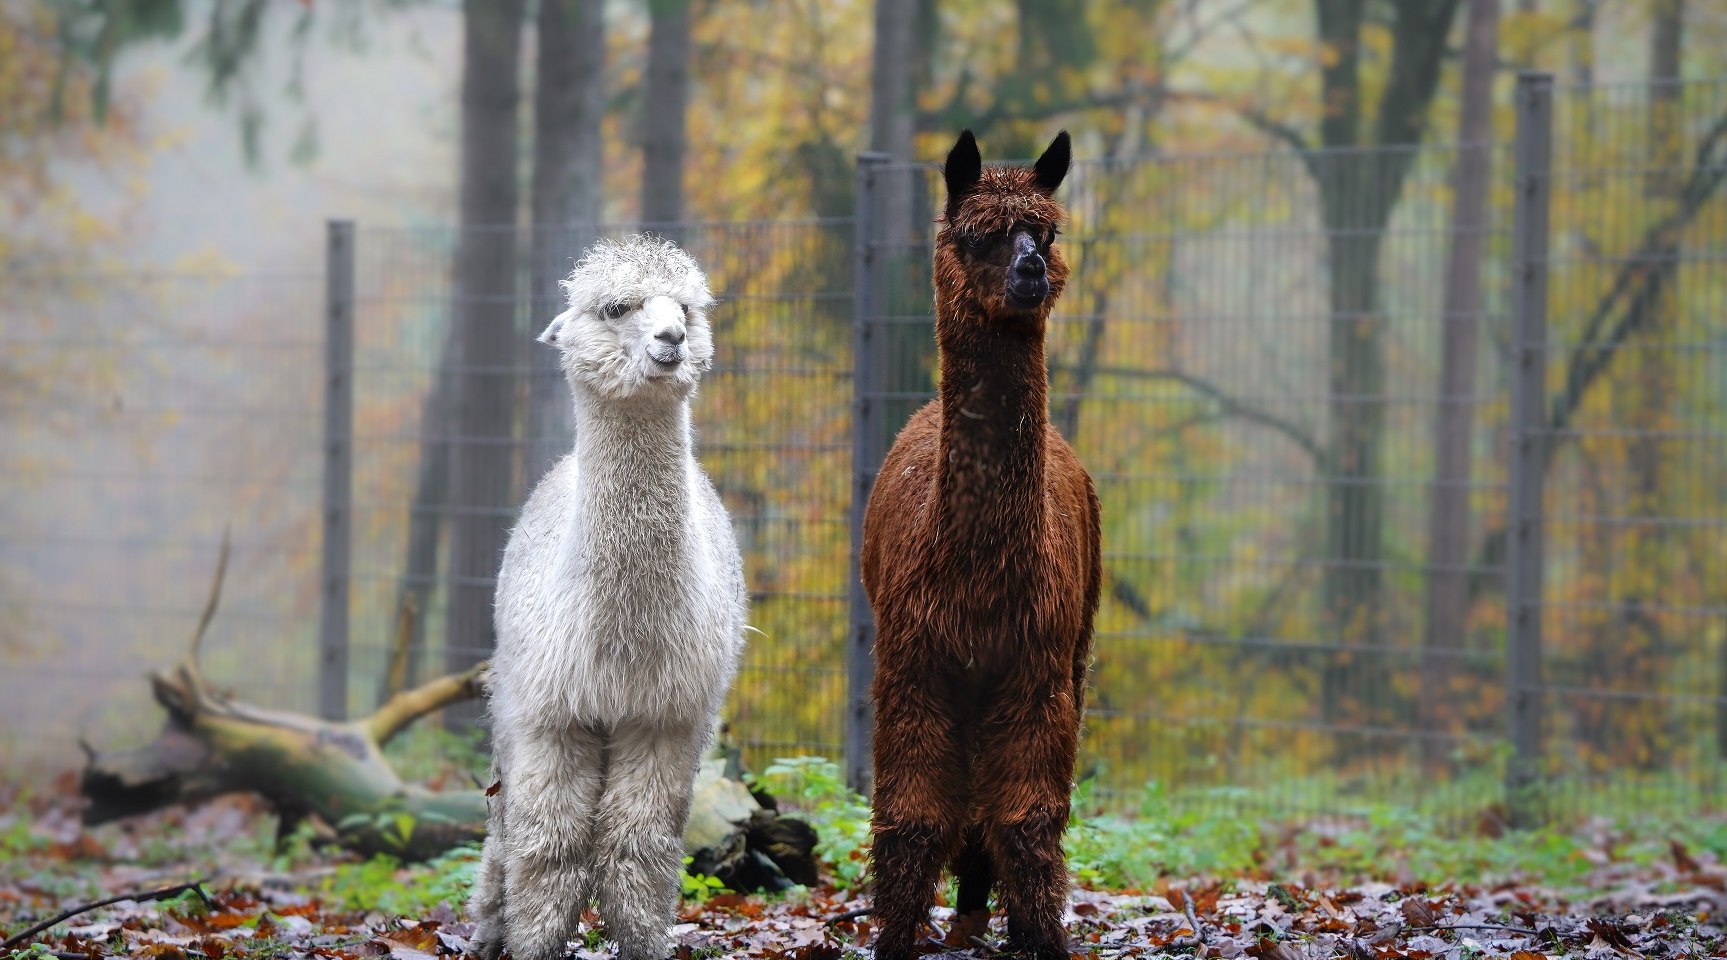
[(635, 464), (651, 436)]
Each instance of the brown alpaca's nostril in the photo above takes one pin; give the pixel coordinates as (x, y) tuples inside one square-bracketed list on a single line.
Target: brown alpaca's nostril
[(1030, 267)]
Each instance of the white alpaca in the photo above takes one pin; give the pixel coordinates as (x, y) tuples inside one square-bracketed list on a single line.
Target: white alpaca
[(620, 620)]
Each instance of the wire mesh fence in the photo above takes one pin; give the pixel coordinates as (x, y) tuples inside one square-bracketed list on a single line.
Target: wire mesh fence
[(1634, 613), (1261, 636), (1290, 375)]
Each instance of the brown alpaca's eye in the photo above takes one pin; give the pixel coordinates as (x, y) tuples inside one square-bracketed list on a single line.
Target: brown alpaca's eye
[(615, 309)]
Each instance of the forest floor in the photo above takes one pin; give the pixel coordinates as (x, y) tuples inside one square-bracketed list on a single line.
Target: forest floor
[(1301, 893)]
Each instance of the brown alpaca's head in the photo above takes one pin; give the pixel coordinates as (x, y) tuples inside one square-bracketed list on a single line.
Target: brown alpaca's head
[(995, 255)]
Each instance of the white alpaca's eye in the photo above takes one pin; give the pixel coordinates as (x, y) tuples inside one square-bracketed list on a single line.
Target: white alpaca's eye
[(615, 309), (686, 308)]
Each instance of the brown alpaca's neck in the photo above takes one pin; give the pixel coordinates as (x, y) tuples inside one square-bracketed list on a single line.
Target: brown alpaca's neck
[(994, 408)]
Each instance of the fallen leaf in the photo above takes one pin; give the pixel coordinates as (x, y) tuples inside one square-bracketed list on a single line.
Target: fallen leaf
[(1417, 911)]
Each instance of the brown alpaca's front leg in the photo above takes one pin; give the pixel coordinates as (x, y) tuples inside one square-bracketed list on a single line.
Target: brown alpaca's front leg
[(1028, 762), (918, 808)]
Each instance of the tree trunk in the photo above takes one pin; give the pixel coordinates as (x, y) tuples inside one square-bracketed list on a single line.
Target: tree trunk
[(905, 348), (1631, 732), (426, 515), (664, 108), (485, 328), (893, 113), (1358, 192), (1353, 581), (569, 103), (1448, 518), (1651, 549)]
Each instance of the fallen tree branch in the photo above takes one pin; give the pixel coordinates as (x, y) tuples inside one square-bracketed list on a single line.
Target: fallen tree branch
[(195, 886), (404, 708), (212, 744), (1198, 938)]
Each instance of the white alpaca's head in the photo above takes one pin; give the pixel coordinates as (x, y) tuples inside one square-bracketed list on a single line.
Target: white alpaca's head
[(637, 322)]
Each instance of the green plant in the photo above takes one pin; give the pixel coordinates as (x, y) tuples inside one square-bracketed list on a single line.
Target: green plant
[(34, 951), (698, 887), (814, 787), (383, 883), (1110, 851), (392, 827), (17, 838)]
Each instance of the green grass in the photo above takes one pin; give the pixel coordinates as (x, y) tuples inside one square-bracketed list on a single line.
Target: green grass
[(382, 883), (1132, 843)]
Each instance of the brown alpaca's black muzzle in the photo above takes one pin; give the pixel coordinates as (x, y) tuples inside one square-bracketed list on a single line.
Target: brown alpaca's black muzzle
[(1027, 274)]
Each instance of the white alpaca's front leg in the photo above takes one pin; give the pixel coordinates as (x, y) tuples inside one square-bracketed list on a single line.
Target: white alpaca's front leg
[(550, 789), (640, 847)]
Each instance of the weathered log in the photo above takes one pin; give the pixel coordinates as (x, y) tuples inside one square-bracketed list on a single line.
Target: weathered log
[(211, 744)]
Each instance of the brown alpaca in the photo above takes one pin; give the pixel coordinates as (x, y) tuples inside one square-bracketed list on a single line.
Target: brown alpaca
[(981, 559)]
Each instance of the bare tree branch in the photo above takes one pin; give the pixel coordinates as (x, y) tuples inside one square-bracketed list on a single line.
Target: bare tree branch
[(1638, 286), (1638, 283), (1258, 119), (1230, 405)]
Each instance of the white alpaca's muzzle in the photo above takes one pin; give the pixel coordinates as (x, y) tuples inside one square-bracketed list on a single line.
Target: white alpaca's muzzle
[(663, 322)]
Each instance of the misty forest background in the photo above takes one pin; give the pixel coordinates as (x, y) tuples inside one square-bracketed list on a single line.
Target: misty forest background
[(168, 166)]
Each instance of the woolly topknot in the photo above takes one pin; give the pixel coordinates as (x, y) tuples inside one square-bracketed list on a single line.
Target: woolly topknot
[(1002, 197), (632, 269), (636, 325)]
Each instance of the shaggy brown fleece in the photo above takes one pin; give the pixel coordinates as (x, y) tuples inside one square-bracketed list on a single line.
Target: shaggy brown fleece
[(981, 558)]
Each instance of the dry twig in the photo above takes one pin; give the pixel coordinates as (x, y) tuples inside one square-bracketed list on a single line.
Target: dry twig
[(196, 886)]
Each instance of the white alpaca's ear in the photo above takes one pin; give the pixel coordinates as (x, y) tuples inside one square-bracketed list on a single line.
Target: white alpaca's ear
[(553, 334)]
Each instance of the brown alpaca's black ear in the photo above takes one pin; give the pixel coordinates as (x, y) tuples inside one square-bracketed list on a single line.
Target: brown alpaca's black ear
[(963, 168), (1051, 168)]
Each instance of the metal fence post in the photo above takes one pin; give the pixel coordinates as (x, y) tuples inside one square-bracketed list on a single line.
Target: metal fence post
[(866, 460), (338, 466), (1523, 567)]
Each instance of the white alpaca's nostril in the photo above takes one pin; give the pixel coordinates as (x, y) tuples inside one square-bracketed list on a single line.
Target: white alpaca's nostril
[(671, 335)]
